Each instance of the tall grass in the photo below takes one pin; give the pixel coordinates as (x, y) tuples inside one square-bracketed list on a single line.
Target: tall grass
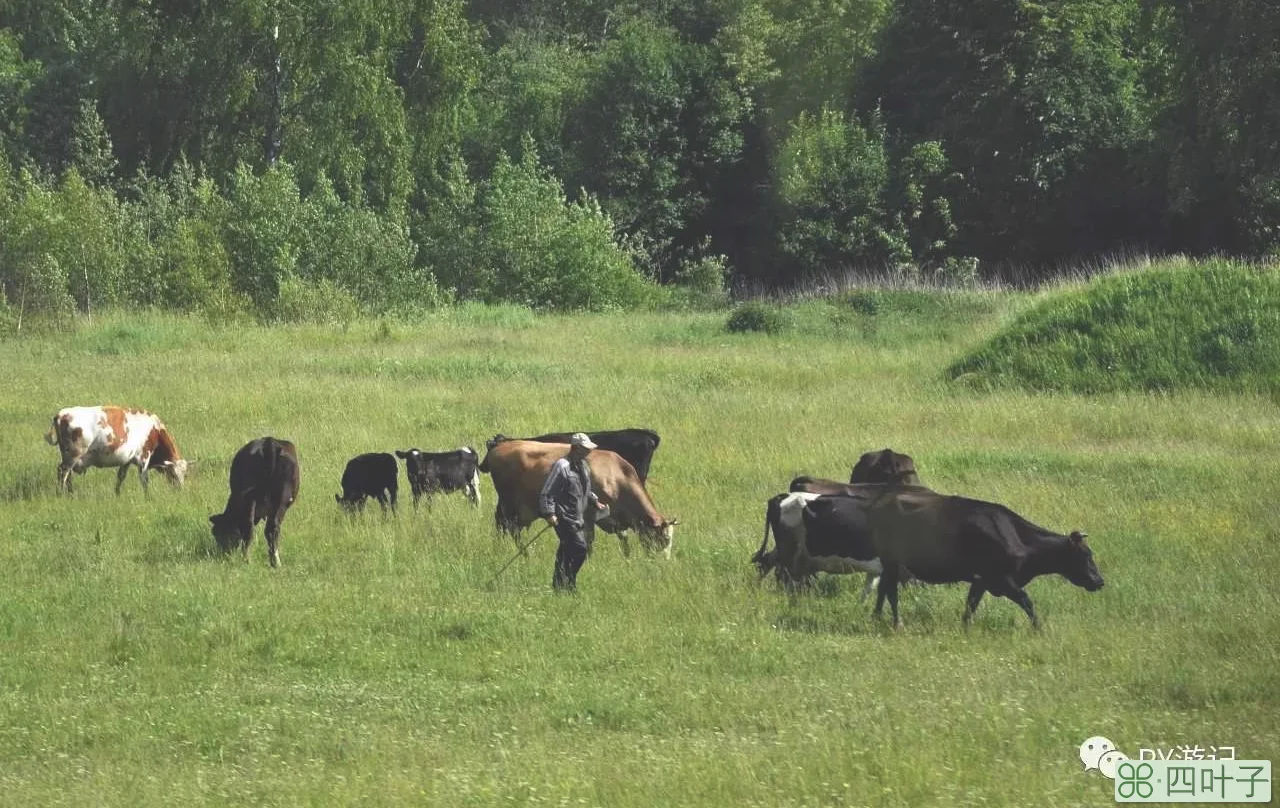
[(383, 665)]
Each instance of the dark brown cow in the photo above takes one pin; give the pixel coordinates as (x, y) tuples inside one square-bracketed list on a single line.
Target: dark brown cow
[(264, 483), (885, 466), (948, 539), (519, 468)]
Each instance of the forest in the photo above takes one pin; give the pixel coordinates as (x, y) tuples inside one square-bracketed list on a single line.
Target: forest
[(303, 159)]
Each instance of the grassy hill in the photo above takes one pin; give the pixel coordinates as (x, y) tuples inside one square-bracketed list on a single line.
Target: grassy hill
[(1213, 325), (380, 665)]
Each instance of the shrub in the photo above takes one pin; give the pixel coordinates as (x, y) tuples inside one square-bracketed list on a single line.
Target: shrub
[(322, 302), (1212, 325), (757, 316), (539, 250)]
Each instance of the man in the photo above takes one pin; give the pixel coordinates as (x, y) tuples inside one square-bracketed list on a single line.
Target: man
[(563, 502)]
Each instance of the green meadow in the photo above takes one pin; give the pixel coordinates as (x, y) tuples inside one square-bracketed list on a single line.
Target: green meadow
[(382, 664)]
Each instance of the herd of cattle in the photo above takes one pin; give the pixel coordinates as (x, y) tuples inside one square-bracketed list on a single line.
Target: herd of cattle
[(883, 522)]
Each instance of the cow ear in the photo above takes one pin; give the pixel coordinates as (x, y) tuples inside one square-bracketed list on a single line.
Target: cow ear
[(1078, 536), (402, 455), (674, 522)]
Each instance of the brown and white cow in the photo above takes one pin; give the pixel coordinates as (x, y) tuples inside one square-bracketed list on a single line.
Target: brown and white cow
[(520, 467), (111, 436)]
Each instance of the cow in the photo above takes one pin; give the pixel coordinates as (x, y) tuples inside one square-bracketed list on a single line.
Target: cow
[(951, 539), (264, 483), (111, 436), (432, 472), (817, 533), (636, 446), (369, 475), (520, 467), (884, 466)]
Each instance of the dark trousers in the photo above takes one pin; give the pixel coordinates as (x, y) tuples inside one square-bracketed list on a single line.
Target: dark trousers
[(569, 557)]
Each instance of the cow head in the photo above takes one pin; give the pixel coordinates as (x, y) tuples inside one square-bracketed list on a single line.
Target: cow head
[(175, 471), (885, 466), (224, 531), (348, 505), (1077, 565), (656, 536), (412, 460)]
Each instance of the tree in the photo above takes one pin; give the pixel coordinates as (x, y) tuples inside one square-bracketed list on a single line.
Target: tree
[(1036, 104)]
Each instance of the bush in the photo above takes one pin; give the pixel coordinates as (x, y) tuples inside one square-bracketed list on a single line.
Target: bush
[(539, 250), (322, 302), (757, 316), (1210, 325)]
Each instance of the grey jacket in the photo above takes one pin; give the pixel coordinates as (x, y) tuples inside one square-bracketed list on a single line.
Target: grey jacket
[(567, 492)]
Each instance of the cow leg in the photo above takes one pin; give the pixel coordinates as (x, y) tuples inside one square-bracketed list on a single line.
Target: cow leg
[(976, 591), (1009, 589), (245, 529), (417, 495), (625, 542), (394, 492), (868, 585), (64, 477), (120, 475), (273, 538), (889, 588), (473, 491), (382, 501)]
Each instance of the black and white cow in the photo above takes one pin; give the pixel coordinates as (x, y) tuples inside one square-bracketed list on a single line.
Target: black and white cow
[(817, 533), (442, 472)]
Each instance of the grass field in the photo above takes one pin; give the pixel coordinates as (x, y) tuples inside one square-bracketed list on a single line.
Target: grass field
[(379, 666)]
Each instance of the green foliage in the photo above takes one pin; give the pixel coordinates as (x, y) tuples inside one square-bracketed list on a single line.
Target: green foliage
[(1036, 105), (313, 301), (1214, 325), (264, 215), (1220, 143), (543, 251), (657, 129), (833, 176), (69, 239), (702, 282), (756, 315)]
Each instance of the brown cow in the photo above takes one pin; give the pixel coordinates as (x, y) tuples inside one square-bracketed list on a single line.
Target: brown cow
[(264, 483), (111, 436), (519, 468)]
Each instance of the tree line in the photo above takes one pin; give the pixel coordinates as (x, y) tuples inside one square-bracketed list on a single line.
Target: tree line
[(287, 157)]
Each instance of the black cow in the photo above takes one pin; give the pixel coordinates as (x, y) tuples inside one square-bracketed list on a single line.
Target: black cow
[(884, 466), (369, 475), (636, 446), (441, 472), (264, 483), (948, 539)]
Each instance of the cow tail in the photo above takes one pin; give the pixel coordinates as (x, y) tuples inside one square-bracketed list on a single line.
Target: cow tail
[(772, 513)]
